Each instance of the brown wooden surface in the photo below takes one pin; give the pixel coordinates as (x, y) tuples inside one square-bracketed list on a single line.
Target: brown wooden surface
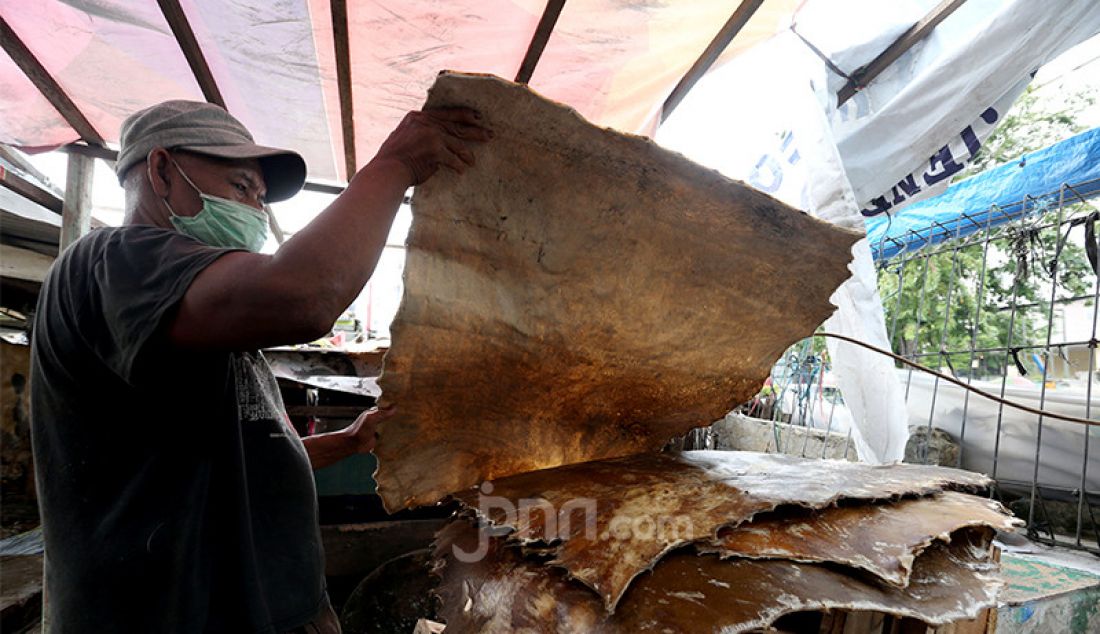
[(356, 549), (20, 589), (76, 214), (30, 191)]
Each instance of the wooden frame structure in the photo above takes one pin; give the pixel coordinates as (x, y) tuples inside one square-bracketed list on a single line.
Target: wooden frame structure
[(93, 144), (914, 34)]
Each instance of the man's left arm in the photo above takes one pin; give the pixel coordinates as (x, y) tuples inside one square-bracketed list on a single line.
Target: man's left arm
[(359, 437)]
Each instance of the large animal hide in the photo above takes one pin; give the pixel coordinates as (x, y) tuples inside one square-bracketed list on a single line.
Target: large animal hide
[(687, 592), (882, 539), (582, 294), (607, 522)]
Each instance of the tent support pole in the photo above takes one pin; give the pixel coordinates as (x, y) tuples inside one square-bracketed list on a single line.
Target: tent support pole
[(343, 82), (185, 37), (863, 76), (76, 214), (538, 41), (713, 51)]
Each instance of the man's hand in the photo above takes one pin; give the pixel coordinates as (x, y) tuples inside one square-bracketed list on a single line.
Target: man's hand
[(322, 268), (364, 431), (426, 140), (359, 437)]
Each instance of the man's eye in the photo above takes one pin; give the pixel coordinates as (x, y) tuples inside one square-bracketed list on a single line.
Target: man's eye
[(241, 188)]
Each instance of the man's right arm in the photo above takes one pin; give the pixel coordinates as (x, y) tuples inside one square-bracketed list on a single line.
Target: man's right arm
[(248, 300)]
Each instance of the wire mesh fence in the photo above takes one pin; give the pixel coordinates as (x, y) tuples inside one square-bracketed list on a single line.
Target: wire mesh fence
[(1007, 301)]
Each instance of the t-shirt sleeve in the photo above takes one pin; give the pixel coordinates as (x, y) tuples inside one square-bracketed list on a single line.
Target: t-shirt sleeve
[(137, 276)]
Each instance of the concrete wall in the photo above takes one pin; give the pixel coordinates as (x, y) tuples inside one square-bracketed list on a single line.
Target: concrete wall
[(742, 433)]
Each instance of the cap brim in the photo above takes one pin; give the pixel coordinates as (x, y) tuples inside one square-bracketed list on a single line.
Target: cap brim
[(284, 170)]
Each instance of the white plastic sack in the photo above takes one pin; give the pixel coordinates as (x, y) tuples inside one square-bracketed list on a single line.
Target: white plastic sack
[(778, 140)]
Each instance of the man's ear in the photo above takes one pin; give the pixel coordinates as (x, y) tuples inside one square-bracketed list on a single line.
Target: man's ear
[(158, 164)]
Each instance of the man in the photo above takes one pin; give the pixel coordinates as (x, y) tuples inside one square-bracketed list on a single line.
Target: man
[(175, 495)]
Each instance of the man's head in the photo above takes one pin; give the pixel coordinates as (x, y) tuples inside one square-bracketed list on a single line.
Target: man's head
[(167, 148)]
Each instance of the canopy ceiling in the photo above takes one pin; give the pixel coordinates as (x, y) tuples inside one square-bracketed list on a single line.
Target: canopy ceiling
[(278, 66)]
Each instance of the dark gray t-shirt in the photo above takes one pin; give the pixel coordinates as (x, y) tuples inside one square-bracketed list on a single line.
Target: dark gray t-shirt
[(174, 495)]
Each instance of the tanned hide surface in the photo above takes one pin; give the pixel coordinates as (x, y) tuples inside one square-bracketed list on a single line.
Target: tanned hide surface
[(882, 539), (582, 294), (688, 592), (645, 506)]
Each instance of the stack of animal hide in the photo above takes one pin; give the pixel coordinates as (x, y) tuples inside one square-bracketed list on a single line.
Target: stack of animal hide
[(716, 541), (571, 303)]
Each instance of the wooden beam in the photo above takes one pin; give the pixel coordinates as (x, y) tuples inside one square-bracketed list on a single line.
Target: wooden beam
[(324, 188), (185, 37), (30, 191), (539, 39), (109, 155), (23, 264), (46, 84), (76, 217), (343, 82), (10, 155), (93, 151), (729, 30), (866, 74)]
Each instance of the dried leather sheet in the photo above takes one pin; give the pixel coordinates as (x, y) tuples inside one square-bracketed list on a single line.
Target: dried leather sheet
[(688, 592), (883, 539), (644, 506), (582, 294)]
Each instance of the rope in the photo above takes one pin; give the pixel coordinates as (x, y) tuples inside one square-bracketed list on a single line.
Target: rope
[(951, 379)]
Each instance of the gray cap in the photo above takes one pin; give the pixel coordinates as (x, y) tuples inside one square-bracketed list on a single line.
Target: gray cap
[(205, 128)]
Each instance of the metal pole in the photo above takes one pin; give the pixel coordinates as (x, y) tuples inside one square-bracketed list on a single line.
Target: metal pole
[(943, 340), (897, 304), (1088, 408), (1046, 368), (920, 313), (829, 427), (1035, 346), (974, 331), (1004, 371)]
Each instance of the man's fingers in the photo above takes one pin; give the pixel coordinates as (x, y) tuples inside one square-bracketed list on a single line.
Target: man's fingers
[(468, 116), (461, 151), (461, 126), (469, 132), (453, 163), (440, 137), (379, 415)]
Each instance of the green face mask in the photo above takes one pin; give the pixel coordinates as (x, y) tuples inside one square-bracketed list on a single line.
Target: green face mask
[(222, 222)]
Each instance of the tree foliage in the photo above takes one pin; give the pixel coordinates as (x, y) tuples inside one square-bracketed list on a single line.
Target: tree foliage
[(942, 302), (1031, 124)]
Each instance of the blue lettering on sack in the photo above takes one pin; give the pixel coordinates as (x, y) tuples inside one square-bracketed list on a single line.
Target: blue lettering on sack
[(942, 165), (767, 174)]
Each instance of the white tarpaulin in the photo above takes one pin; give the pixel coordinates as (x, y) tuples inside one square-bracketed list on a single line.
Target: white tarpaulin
[(780, 142), (974, 58), (769, 117)]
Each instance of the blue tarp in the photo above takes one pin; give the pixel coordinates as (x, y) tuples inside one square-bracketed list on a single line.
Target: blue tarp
[(1030, 184)]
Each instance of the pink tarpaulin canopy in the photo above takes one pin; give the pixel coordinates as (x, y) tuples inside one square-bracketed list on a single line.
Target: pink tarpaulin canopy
[(275, 64)]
